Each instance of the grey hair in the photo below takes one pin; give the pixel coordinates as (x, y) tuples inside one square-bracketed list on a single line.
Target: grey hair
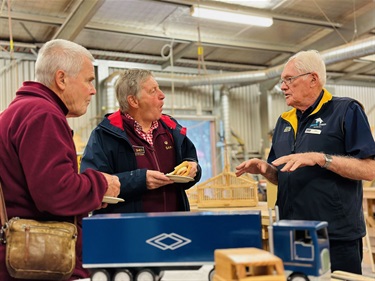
[(130, 83), (59, 54), (310, 61)]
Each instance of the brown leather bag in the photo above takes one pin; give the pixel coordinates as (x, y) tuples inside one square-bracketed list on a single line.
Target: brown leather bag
[(42, 250)]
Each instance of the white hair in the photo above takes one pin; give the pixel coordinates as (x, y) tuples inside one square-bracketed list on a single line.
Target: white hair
[(59, 54), (310, 61)]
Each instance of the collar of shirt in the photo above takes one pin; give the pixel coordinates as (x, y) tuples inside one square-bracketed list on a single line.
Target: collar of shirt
[(307, 112), (138, 128)]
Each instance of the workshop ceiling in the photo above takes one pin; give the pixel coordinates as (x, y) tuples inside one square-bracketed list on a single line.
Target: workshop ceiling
[(143, 31)]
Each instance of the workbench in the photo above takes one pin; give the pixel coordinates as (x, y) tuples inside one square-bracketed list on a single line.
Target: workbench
[(369, 212)]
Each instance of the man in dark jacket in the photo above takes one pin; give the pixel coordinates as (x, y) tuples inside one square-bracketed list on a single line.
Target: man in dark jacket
[(141, 145)]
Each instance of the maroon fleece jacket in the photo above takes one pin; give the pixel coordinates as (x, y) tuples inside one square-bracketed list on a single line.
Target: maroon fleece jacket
[(38, 165)]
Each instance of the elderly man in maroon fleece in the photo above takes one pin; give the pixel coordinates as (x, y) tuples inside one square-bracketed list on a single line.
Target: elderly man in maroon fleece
[(140, 145), (38, 162)]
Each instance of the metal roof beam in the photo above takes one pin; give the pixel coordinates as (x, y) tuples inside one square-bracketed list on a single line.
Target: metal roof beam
[(26, 17), (183, 38), (77, 19), (367, 68), (147, 33), (350, 31)]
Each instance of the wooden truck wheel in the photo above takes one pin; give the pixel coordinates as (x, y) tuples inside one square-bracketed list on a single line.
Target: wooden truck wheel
[(146, 275), (211, 274), (100, 275), (298, 277), (123, 275), (160, 276)]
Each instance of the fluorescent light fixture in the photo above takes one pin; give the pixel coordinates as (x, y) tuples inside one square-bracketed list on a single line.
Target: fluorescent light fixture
[(221, 15)]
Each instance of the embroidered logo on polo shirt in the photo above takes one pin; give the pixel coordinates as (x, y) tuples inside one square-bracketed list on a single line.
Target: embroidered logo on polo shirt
[(139, 150), (318, 123), (315, 127)]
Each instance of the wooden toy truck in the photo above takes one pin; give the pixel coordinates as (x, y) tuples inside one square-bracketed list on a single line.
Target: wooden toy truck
[(247, 264), (301, 246)]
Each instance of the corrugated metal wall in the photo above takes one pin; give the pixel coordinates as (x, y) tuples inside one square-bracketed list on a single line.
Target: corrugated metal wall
[(365, 95), (194, 101), (12, 74), (245, 116), (277, 105)]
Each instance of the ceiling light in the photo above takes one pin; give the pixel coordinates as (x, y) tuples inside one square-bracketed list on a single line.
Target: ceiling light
[(235, 17)]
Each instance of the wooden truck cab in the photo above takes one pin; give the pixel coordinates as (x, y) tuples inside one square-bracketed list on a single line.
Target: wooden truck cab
[(247, 264)]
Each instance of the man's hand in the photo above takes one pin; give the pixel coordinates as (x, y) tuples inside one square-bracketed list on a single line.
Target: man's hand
[(113, 188), (252, 166), (193, 169), (294, 161), (258, 166), (156, 179), (113, 184)]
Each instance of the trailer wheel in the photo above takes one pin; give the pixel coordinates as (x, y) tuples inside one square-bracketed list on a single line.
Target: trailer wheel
[(100, 275), (298, 277), (123, 275), (160, 276), (211, 274), (146, 275)]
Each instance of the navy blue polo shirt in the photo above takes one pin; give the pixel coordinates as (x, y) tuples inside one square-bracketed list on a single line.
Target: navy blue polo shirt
[(336, 126)]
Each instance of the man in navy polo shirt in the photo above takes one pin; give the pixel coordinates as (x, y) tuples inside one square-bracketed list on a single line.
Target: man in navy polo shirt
[(321, 151)]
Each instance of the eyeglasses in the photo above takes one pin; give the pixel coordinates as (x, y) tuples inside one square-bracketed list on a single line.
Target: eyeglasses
[(290, 80)]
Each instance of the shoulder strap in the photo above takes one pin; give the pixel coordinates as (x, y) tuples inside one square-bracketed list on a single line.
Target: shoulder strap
[(3, 217), (3, 212)]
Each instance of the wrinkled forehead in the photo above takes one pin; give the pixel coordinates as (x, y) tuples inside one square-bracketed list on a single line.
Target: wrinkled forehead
[(149, 83), (290, 69)]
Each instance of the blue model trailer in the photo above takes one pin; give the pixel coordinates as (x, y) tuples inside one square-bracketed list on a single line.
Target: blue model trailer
[(141, 245)]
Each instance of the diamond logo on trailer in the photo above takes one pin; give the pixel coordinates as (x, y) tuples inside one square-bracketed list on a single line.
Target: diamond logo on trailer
[(170, 241)]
